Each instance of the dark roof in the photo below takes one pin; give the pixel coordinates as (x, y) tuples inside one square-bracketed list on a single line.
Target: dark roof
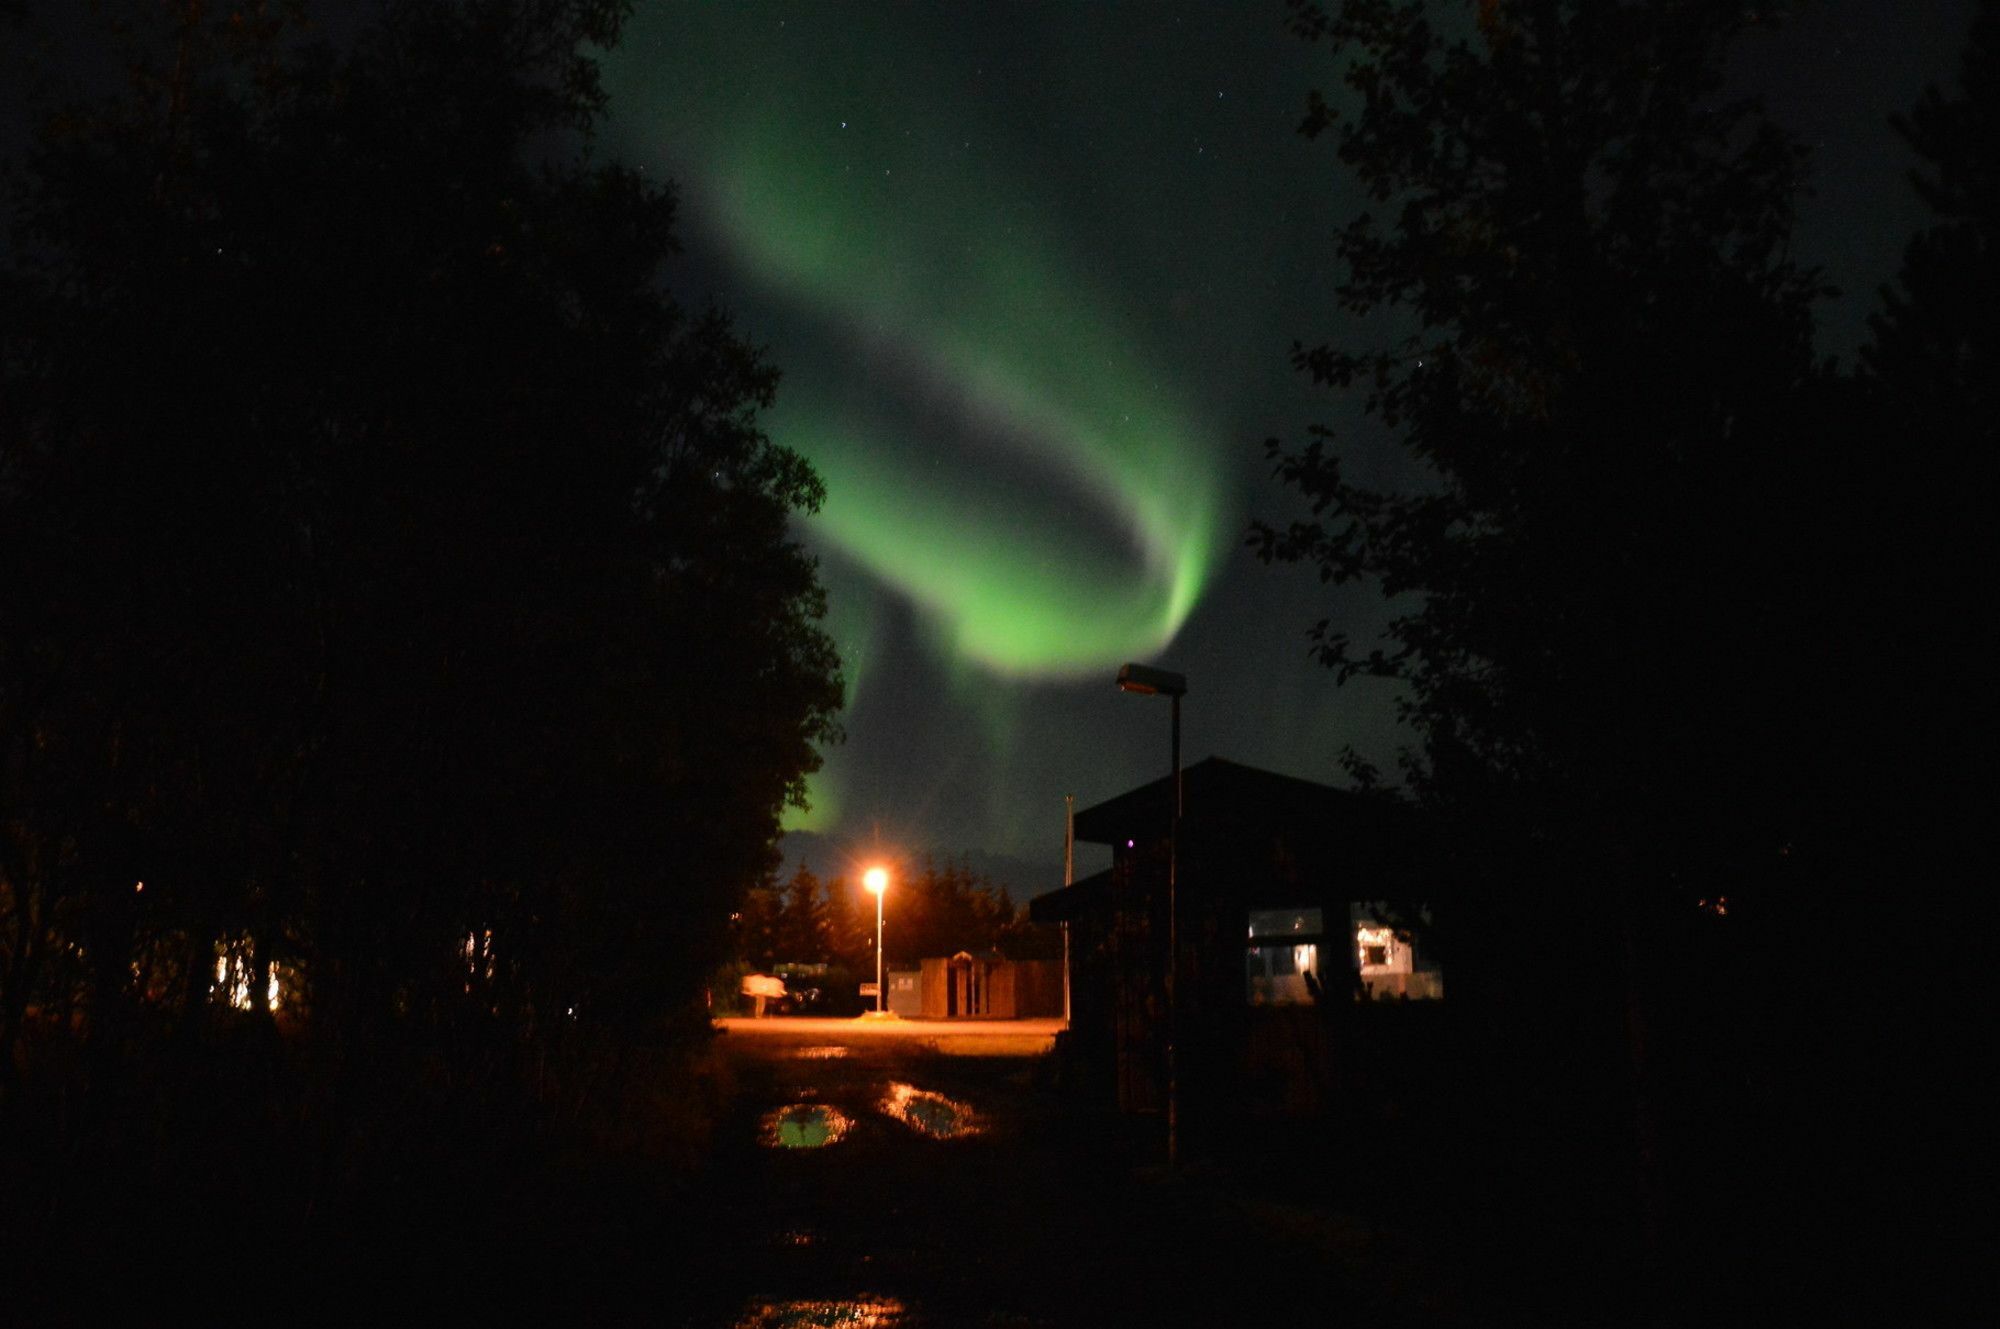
[(1215, 790), (1228, 807), (1059, 906)]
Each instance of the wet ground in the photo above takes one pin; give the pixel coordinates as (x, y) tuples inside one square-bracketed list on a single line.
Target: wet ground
[(899, 1182)]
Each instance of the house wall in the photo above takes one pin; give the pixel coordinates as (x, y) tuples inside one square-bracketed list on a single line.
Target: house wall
[(1136, 943), (1284, 1061)]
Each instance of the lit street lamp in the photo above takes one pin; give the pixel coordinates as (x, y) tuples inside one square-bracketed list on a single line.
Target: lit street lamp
[(1155, 683), (877, 882)]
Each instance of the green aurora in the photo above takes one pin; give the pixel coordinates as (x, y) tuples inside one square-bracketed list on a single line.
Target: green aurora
[(1030, 275), (1077, 521), (1033, 274)]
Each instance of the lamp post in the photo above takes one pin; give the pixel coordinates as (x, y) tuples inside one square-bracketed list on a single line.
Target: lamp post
[(877, 882), (1154, 683), (1069, 878)]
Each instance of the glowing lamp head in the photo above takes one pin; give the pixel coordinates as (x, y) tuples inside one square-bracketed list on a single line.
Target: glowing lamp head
[(876, 880), (1151, 682)]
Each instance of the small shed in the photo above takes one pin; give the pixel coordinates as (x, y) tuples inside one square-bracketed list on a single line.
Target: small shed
[(986, 985), (904, 998)]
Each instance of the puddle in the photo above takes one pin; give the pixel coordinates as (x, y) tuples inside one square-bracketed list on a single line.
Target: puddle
[(861, 1313), (820, 1053), (804, 1126), (930, 1114)]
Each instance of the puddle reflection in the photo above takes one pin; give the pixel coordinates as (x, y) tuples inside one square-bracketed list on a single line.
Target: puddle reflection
[(804, 1126), (862, 1313), (820, 1053), (929, 1114)]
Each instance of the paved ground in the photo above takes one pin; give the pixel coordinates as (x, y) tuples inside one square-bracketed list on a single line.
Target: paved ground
[(902, 1175), (969, 1038)]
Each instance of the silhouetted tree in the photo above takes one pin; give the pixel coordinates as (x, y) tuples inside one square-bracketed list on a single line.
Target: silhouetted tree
[(1587, 242), (942, 909), (757, 928), (1573, 305), (850, 918), (1934, 365), (1933, 424), (393, 575), (802, 927)]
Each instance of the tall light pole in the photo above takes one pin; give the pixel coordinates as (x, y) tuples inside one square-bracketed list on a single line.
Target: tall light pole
[(1154, 683), (877, 882), (1069, 877)]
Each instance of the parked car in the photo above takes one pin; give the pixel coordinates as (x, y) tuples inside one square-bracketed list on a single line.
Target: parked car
[(823, 990), (803, 996)]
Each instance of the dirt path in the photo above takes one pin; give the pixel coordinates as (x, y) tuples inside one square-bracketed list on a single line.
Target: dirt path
[(883, 1182)]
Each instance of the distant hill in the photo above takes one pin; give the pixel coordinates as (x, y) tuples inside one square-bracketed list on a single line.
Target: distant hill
[(833, 856)]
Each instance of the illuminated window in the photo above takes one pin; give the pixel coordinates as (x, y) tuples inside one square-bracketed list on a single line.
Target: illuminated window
[(1376, 948), (1386, 956), (235, 968), (1282, 956), (1303, 923), (478, 957)]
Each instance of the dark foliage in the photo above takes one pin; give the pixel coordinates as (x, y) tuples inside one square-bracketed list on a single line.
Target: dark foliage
[(1665, 584), (397, 599), (1933, 369)]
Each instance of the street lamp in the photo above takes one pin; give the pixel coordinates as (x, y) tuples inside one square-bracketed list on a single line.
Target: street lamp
[(877, 882), (1151, 682)]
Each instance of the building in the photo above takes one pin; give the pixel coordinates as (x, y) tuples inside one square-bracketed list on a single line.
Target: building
[(903, 996), (988, 986), (1386, 957), (1280, 883)]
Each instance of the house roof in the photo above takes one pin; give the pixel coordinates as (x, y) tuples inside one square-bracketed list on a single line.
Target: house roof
[(1229, 806), (1218, 791), (1059, 906)]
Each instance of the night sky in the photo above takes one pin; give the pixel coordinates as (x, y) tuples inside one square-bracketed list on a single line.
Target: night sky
[(1032, 274)]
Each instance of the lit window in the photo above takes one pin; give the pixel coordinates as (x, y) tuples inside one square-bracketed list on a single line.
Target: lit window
[(1375, 948), (1303, 923), (1281, 963), (235, 966)]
